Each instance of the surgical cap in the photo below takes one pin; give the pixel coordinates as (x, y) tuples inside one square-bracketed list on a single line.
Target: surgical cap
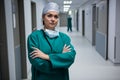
[(51, 6)]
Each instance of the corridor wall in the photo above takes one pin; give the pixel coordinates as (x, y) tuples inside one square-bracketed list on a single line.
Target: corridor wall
[(88, 23), (99, 33), (114, 31), (101, 28), (28, 22), (10, 39)]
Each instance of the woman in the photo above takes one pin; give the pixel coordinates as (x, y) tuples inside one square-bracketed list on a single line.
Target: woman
[(50, 52), (69, 23)]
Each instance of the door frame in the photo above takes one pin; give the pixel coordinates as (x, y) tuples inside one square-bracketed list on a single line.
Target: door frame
[(4, 68), (83, 22), (22, 39), (94, 24)]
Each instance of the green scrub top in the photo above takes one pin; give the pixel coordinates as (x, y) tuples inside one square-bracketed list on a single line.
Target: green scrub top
[(57, 67), (69, 23)]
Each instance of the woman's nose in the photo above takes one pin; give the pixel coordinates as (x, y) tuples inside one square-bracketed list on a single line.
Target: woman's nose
[(53, 18)]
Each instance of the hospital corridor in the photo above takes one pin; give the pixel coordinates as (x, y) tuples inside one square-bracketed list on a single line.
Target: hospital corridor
[(89, 65), (92, 25)]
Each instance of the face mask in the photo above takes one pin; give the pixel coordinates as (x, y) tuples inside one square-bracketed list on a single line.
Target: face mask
[(51, 33)]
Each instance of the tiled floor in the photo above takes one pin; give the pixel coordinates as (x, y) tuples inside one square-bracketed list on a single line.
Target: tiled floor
[(89, 65)]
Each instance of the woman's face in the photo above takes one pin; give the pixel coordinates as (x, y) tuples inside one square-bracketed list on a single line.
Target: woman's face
[(50, 20)]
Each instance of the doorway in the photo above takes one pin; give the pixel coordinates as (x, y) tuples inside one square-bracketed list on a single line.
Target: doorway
[(4, 68), (77, 19), (16, 36), (101, 42), (19, 39), (33, 13), (22, 39), (94, 24), (83, 22)]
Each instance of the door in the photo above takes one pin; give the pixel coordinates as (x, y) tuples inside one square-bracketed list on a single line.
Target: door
[(77, 20), (22, 39), (117, 33), (4, 69), (83, 23), (16, 34), (93, 24), (102, 29), (33, 13), (19, 39)]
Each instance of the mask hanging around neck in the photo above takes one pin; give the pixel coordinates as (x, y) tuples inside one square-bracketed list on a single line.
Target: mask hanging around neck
[(51, 33)]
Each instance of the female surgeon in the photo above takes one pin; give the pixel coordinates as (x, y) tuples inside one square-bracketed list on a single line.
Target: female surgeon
[(50, 52)]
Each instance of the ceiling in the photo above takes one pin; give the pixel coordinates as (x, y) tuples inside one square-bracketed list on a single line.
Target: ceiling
[(75, 3)]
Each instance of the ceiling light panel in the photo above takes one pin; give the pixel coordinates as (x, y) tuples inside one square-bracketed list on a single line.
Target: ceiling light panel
[(67, 2), (66, 6)]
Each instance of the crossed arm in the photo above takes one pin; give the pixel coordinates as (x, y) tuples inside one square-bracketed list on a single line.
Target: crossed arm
[(39, 54)]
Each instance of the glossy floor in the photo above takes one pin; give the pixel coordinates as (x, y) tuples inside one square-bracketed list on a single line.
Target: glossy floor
[(89, 65)]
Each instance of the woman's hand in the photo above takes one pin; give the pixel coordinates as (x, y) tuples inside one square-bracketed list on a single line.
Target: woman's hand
[(66, 48), (39, 54)]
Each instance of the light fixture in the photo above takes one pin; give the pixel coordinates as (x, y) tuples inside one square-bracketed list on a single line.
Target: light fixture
[(66, 9), (66, 5), (67, 2)]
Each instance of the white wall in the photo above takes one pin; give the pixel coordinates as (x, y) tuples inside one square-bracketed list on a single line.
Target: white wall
[(117, 32), (39, 6), (28, 26), (88, 22), (114, 31), (28, 22), (111, 31), (80, 20), (10, 39), (88, 18), (74, 18)]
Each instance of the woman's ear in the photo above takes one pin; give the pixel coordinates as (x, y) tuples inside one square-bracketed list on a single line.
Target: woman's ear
[(43, 19), (43, 22)]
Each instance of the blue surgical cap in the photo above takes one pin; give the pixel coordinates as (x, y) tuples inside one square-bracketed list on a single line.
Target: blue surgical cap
[(51, 6)]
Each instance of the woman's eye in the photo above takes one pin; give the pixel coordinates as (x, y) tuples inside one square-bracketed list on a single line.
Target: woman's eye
[(56, 16), (49, 15)]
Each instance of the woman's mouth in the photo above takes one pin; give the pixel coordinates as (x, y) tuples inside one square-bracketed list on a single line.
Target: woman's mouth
[(52, 23)]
